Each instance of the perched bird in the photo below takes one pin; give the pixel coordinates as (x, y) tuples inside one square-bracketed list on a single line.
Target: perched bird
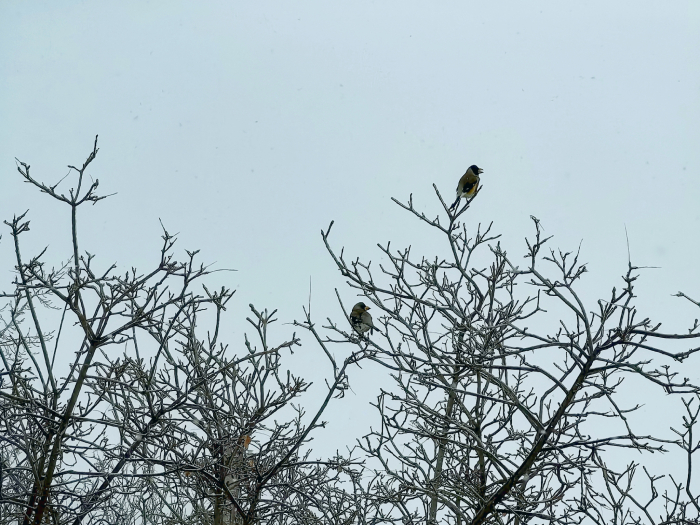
[(360, 319), (468, 184)]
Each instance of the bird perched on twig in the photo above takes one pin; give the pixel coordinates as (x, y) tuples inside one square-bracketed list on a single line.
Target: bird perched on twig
[(360, 318), (468, 184)]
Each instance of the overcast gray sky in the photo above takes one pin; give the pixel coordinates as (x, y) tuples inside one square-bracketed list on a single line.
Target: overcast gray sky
[(249, 126)]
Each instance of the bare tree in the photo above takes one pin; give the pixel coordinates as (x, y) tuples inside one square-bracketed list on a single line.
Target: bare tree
[(121, 400), (508, 403), (120, 403)]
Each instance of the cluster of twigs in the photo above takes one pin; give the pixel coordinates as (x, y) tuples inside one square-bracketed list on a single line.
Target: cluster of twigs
[(507, 404), (508, 400), (119, 403)]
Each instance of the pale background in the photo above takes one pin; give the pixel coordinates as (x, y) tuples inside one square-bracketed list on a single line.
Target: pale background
[(248, 126)]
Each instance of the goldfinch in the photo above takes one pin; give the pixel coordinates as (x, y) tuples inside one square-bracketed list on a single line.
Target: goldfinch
[(360, 318), (468, 184)]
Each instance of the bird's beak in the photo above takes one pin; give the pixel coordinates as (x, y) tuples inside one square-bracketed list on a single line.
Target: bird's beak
[(479, 171), (366, 308)]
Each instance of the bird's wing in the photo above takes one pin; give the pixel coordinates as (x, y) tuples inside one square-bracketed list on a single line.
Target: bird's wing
[(470, 187)]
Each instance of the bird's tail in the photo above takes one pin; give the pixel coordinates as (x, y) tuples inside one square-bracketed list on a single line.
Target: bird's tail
[(454, 205)]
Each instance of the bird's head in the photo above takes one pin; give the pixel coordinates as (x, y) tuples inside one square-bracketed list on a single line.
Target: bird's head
[(476, 169), (362, 306)]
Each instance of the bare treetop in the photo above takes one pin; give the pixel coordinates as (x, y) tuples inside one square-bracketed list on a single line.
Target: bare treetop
[(506, 385), (117, 386), (123, 400)]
